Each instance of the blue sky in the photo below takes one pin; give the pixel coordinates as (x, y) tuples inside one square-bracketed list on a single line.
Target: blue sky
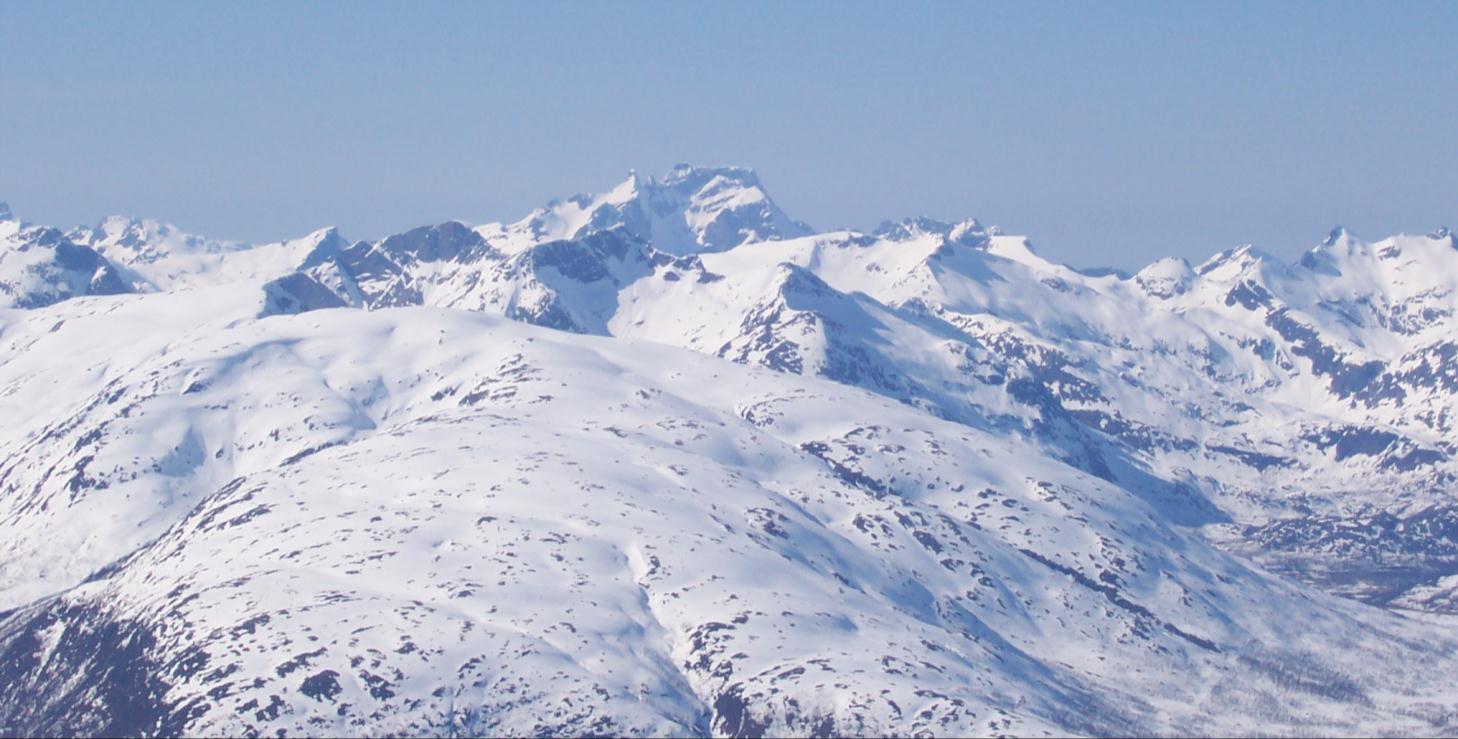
[(1111, 133)]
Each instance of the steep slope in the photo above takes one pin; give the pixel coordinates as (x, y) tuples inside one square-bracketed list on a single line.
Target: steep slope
[(1051, 499), (470, 525), (1284, 404), (40, 266), (691, 210)]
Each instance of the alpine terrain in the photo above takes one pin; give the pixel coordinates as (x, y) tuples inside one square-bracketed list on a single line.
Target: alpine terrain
[(666, 461)]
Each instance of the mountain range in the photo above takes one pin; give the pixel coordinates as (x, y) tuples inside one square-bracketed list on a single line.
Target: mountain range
[(665, 460)]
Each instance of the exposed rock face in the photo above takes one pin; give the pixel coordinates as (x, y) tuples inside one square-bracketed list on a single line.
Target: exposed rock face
[(664, 461)]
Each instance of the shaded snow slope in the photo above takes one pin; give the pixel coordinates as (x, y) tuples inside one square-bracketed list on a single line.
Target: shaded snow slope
[(664, 460), (429, 521)]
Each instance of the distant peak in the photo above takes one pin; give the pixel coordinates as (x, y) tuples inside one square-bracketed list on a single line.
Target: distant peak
[(684, 178), (1166, 277), (323, 245), (686, 168), (1337, 235), (326, 234), (689, 173), (691, 209), (911, 226), (968, 231), (1167, 267), (1245, 255), (133, 227), (624, 191), (5, 214)]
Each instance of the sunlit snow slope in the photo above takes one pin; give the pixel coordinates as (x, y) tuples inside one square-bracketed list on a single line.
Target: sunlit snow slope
[(665, 461)]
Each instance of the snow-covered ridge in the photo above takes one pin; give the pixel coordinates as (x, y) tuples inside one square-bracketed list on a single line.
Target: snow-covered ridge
[(691, 209), (664, 460)]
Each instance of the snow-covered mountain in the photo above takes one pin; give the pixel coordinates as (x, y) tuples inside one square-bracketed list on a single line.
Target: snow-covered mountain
[(666, 461), (40, 266), (691, 210)]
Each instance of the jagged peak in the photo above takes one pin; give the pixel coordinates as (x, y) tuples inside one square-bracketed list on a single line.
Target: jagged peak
[(328, 233), (1244, 256), (1444, 233), (971, 227), (1338, 234), (48, 236), (691, 209), (691, 174), (147, 238), (446, 241), (323, 245), (1335, 252), (910, 227), (321, 237), (626, 191), (684, 179), (1339, 239), (118, 220), (967, 231), (117, 224), (451, 230)]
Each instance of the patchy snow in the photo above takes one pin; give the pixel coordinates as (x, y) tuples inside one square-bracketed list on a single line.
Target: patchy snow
[(664, 461)]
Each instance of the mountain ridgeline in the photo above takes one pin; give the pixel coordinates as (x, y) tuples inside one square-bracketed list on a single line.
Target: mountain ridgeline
[(665, 460)]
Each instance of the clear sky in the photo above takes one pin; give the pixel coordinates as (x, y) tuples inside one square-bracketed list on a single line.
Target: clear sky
[(1111, 133)]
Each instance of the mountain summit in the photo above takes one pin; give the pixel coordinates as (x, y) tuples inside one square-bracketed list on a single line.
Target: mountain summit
[(690, 210), (664, 461)]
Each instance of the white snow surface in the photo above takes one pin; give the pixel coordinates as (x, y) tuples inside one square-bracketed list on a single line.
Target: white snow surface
[(663, 461)]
